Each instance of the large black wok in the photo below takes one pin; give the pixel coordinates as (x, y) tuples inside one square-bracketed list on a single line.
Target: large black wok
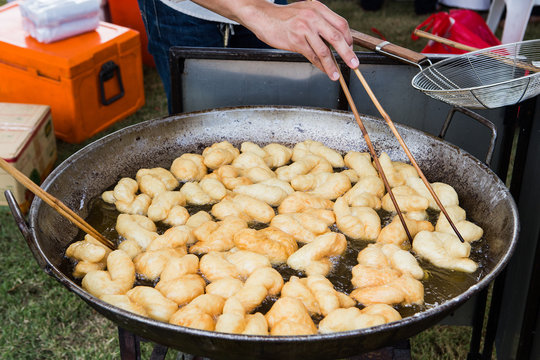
[(86, 174)]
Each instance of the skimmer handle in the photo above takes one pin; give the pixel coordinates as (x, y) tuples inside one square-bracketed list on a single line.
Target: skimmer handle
[(387, 48)]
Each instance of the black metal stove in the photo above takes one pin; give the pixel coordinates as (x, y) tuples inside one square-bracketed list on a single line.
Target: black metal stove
[(130, 350)]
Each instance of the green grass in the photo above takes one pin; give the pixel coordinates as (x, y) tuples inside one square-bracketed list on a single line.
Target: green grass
[(43, 320)]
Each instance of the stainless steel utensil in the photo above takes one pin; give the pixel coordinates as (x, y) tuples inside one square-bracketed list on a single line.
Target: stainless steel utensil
[(485, 79)]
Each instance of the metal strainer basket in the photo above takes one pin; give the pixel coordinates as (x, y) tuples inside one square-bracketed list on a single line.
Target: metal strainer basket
[(488, 78), (483, 79)]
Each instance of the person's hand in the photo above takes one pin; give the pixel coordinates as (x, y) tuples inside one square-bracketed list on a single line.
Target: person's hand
[(302, 27)]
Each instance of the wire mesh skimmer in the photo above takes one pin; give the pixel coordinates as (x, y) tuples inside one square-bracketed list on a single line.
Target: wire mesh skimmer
[(484, 79)]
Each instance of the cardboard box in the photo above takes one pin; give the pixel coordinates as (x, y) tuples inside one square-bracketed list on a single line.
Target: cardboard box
[(28, 143), (90, 81)]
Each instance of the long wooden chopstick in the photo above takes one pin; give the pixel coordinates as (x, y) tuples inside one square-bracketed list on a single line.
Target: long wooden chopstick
[(406, 149), (444, 41), (56, 204), (371, 149)]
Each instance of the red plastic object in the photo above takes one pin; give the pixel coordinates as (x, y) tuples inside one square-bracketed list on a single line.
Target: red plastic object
[(463, 26), (126, 13)]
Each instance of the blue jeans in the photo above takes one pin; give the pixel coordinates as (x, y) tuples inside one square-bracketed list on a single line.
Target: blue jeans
[(167, 27)]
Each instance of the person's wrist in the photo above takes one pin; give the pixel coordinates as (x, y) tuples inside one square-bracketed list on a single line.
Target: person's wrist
[(251, 13)]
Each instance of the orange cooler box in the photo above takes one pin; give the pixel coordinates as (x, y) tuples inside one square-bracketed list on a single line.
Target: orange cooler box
[(90, 81), (127, 13)]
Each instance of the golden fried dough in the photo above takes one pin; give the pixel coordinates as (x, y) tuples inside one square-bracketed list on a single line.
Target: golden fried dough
[(360, 163), (258, 174), (317, 294), (182, 289), (309, 164), (225, 287), (351, 174), (308, 147), (219, 154), (247, 262), (130, 247), (394, 233), (125, 190), (387, 274), (90, 255), (230, 177), (300, 202), (156, 180), (248, 160), (243, 238), (163, 203), (393, 173), (368, 191), (326, 185), (250, 147), (261, 283), (404, 290), (138, 228), (390, 255), (215, 266), (304, 227), (108, 196), (150, 264), (178, 215), (354, 318), (446, 193), (157, 306), (274, 155), (175, 237), (407, 198), (288, 316), (468, 230), (277, 155), (123, 302), (271, 191), (125, 198), (198, 219), (207, 191), (357, 222), (161, 250), (245, 207), (118, 279), (314, 258), (189, 167), (234, 320), (139, 206), (178, 266), (444, 250), (272, 242), (199, 313), (217, 236)]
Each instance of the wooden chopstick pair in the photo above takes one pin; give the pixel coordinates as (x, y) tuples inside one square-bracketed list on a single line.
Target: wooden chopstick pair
[(401, 142), (56, 204)]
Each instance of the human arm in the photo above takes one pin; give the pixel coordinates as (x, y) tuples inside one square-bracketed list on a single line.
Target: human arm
[(302, 27)]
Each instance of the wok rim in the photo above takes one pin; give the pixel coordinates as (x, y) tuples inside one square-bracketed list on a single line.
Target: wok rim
[(443, 308)]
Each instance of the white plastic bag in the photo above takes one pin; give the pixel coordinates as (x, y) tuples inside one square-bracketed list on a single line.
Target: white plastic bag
[(51, 20)]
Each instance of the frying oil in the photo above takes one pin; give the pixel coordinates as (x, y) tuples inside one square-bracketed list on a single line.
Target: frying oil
[(440, 285)]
